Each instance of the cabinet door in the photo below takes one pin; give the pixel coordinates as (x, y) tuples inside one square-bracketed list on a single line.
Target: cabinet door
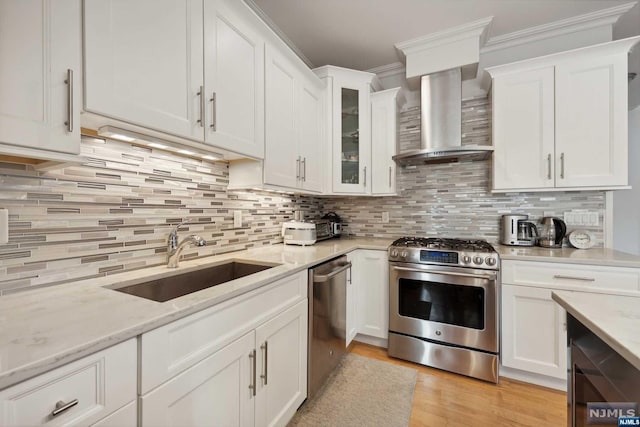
[(533, 331), (126, 416), (281, 160), (591, 122), (384, 137), (352, 320), (309, 134), (372, 276), (143, 63), (282, 366), (351, 138), (523, 130), (234, 78), (40, 46), (213, 392)]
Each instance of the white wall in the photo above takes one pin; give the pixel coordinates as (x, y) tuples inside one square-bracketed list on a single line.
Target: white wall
[(626, 204)]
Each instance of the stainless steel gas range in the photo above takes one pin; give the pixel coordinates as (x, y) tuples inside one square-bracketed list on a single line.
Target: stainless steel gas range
[(443, 304)]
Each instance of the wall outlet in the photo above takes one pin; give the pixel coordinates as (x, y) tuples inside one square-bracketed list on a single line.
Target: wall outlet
[(385, 217), (4, 226), (582, 217), (237, 219)]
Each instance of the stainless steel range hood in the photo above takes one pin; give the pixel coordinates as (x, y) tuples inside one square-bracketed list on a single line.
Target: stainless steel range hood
[(441, 120)]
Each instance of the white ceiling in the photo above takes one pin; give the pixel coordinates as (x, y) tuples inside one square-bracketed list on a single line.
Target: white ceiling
[(360, 34)]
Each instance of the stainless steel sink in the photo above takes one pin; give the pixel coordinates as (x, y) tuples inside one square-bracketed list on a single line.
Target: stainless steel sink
[(176, 286)]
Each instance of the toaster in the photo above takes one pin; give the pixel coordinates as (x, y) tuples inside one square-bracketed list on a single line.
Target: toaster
[(299, 233)]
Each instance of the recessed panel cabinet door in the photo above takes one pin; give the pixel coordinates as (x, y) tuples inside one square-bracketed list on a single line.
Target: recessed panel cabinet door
[(591, 122), (214, 392), (523, 130), (534, 332), (281, 344), (234, 77), (310, 136), (40, 49), (144, 63), (281, 163), (373, 293)]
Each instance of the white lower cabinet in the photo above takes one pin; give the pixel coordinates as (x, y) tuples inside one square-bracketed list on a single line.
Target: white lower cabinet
[(240, 363), (372, 281), (213, 392), (99, 389), (534, 333), (368, 295)]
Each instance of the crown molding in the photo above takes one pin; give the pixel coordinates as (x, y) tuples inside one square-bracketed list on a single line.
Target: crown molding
[(395, 68), (574, 24), (272, 25), (477, 28)]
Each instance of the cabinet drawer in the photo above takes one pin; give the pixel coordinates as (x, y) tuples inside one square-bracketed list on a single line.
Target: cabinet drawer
[(101, 383), (571, 276), (172, 348)]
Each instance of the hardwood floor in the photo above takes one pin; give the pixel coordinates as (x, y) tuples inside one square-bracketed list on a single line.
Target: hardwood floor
[(446, 399)]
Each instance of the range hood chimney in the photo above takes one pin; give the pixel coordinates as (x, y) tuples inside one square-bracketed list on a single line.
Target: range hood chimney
[(441, 120)]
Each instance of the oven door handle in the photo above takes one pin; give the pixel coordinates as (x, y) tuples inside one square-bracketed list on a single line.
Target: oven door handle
[(449, 273)]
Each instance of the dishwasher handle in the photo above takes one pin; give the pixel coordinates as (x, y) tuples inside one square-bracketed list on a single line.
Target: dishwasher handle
[(318, 278)]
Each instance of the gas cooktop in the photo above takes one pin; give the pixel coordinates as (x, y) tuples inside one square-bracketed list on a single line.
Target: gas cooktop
[(444, 251)]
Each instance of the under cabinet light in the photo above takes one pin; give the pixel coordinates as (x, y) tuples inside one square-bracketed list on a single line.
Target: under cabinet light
[(149, 141)]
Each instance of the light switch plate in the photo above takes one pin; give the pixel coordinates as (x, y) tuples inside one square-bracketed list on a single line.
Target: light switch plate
[(582, 217), (385, 217), (4, 226)]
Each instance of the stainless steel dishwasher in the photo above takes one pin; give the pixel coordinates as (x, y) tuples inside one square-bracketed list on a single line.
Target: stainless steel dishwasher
[(327, 320)]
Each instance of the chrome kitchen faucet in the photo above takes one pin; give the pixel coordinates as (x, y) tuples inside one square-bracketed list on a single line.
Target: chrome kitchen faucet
[(174, 249)]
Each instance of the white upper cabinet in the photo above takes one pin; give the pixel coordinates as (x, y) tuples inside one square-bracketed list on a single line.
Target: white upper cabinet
[(523, 130), (186, 68), (560, 121), (233, 77), (293, 129), (40, 80), (591, 121), (385, 120), (144, 62)]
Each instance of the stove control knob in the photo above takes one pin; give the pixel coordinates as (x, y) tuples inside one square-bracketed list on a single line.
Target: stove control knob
[(490, 261), (466, 259), (394, 253), (477, 260), (404, 254)]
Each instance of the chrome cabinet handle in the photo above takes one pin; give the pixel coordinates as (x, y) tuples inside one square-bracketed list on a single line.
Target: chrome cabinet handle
[(389, 176), (298, 168), (69, 82), (201, 95), (252, 384), (213, 112), (304, 169), (61, 407), (265, 348), (562, 165), (583, 279), (365, 176), (350, 274), (548, 166)]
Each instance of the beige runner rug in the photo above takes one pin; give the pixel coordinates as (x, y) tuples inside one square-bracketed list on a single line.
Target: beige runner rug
[(361, 392)]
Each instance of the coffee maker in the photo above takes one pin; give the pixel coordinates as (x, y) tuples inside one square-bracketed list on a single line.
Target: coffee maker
[(517, 230)]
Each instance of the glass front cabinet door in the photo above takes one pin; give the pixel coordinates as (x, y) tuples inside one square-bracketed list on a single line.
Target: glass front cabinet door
[(350, 110)]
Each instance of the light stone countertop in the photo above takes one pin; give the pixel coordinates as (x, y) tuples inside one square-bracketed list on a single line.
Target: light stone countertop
[(49, 327), (614, 319), (593, 256)]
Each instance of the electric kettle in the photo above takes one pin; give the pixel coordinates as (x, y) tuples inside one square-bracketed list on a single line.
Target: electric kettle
[(552, 232)]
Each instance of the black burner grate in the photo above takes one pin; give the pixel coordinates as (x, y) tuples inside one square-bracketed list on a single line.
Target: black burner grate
[(474, 245)]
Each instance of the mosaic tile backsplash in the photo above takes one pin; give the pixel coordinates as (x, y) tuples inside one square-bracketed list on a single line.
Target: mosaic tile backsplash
[(114, 214), (453, 200)]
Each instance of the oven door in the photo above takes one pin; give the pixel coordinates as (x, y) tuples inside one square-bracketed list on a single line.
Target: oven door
[(447, 304)]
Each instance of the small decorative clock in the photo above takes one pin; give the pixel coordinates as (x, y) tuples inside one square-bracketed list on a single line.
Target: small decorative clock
[(581, 239)]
